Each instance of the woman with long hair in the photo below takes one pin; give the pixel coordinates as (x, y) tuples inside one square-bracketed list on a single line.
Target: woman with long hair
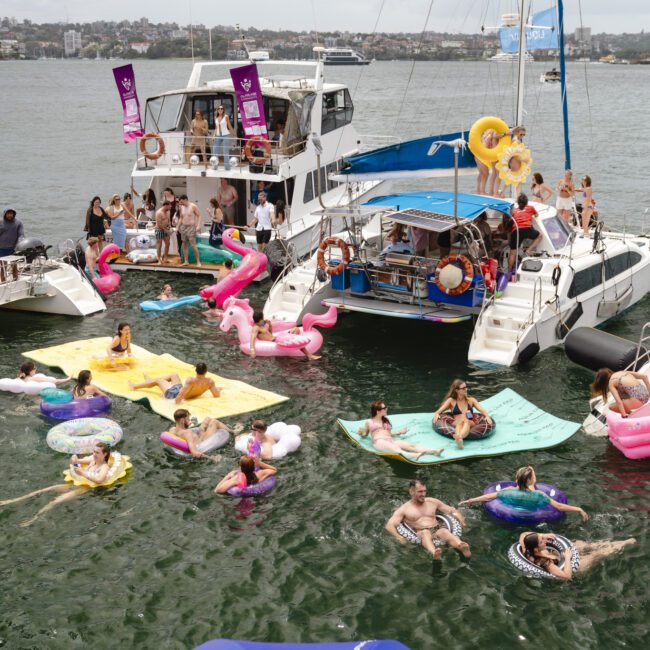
[(94, 468), (249, 472), (588, 203), (536, 550), (383, 436), (217, 226), (630, 389), (223, 132), (84, 388), (115, 213), (120, 345), (526, 480), (96, 218), (129, 211), (540, 191), (461, 405), (28, 372)]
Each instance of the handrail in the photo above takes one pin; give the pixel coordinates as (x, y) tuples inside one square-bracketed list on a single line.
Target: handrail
[(638, 357), (531, 315)]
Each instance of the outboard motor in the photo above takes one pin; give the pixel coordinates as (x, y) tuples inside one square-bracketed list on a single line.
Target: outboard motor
[(31, 248), (75, 257), (280, 254), (594, 349)]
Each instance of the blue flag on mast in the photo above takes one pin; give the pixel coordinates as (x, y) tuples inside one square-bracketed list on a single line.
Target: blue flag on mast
[(542, 34)]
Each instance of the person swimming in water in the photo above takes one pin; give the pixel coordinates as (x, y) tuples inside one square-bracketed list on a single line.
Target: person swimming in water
[(526, 480), (84, 388), (250, 472), (383, 436), (462, 406)]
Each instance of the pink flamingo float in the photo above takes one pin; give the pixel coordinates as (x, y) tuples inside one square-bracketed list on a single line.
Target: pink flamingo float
[(239, 313), (252, 265), (108, 281)]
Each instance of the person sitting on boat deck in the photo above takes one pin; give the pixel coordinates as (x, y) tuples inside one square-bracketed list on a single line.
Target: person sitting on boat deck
[(522, 228), (95, 469), (526, 480), (565, 193), (539, 189), (172, 385), (11, 230), (27, 372), (213, 311), (383, 437), (91, 255), (483, 226), (630, 389), (96, 219), (225, 270), (263, 330), (163, 232), (227, 197), (462, 406), (588, 204), (193, 436), (534, 546), (189, 226), (121, 343), (84, 388), (420, 239), (167, 293), (419, 513), (250, 472)]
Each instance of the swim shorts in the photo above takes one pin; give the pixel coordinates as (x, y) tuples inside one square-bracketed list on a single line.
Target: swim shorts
[(187, 232), (161, 234), (524, 233), (564, 203), (173, 391), (263, 236)]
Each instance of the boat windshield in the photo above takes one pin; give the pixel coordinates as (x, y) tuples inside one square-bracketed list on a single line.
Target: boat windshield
[(557, 230), (161, 114)]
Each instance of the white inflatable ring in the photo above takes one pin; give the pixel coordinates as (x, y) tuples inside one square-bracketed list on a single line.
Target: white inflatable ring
[(446, 521), (81, 435), (17, 385), (287, 437), (560, 544)]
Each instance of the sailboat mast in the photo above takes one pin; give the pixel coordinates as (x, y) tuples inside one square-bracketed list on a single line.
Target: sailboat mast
[(519, 114), (565, 108)]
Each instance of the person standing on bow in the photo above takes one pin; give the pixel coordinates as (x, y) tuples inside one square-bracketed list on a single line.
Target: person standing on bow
[(223, 132), (11, 230)]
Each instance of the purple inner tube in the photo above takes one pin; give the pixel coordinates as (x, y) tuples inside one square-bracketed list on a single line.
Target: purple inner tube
[(480, 429), (253, 490), (78, 408), (514, 515)]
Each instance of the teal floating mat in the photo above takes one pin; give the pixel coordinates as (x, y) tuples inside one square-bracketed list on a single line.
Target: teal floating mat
[(520, 426)]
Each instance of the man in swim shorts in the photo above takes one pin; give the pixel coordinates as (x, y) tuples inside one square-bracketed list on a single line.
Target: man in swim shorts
[(189, 226), (172, 385), (419, 514), (195, 435)]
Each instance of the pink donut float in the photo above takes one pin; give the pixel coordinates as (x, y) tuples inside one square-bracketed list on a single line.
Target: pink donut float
[(631, 435)]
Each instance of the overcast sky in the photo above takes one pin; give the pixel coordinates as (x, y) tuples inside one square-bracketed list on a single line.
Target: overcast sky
[(612, 16)]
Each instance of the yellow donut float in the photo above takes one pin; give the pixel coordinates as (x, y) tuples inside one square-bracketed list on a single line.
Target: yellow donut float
[(477, 134), (511, 173), (119, 465)]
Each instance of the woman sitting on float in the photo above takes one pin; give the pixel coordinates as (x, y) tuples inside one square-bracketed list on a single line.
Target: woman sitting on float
[(383, 437), (462, 408), (526, 480), (121, 343), (630, 390), (251, 471), (28, 372), (96, 471), (84, 388)]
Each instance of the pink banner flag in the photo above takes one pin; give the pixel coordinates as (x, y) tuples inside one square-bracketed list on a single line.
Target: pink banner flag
[(131, 122), (249, 98)]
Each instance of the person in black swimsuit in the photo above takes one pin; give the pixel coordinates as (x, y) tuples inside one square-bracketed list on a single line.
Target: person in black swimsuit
[(121, 343), (462, 408)]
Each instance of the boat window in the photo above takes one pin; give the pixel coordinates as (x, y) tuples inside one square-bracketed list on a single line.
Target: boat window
[(152, 113), (207, 104), (621, 263), (276, 111), (167, 119), (557, 230), (309, 189), (337, 110), (585, 280)]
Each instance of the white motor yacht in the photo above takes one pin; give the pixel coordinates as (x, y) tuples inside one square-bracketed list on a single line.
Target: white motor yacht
[(343, 56)]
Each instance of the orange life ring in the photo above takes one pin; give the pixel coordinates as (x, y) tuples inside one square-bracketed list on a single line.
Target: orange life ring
[(320, 256), (468, 274), (152, 155), (258, 143)]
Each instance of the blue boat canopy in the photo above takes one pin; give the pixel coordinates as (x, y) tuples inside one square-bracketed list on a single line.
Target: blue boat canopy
[(422, 158), (435, 210)]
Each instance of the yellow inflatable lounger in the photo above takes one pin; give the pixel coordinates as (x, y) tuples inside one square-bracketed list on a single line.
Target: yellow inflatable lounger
[(236, 397)]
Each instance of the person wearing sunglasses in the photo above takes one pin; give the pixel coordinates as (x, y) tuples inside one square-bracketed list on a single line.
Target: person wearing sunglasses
[(462, 406), (383, 436), (223, 132)]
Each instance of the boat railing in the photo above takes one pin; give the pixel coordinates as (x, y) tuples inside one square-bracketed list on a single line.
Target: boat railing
[(184, 151), (536, 307), (642, 355)]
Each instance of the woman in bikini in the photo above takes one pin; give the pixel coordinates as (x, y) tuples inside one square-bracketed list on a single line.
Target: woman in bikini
[(462, 408), (84, 388), (588, 203), (121, 344), (383, 437), (630, 390), (539, 189), (547, 558)]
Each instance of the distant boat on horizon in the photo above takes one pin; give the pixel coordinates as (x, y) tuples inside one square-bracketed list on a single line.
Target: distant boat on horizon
[(507, 57), (343, 56)]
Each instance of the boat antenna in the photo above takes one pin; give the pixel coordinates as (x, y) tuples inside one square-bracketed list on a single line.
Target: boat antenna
[(565, 108), (242, 38), (191, 31)]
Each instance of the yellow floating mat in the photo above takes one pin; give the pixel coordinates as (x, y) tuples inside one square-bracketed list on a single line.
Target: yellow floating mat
[(236, 397)]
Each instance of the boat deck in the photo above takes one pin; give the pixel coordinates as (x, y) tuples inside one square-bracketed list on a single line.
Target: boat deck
[(398, 310), (122, 263)]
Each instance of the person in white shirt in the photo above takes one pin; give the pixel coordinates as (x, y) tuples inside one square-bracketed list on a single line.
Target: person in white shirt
[(263, 221)]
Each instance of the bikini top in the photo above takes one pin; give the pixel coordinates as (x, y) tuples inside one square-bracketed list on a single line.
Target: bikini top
[(457, 411), (119, 348), (376, 426)]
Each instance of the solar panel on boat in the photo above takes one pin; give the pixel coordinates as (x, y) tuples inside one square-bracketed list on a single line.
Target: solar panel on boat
[(423, 219)]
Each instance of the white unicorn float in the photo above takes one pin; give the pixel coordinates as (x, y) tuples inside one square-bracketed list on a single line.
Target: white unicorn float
[(239, 313)]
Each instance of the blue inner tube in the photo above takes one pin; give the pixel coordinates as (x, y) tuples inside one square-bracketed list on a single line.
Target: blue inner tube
[(524, 507), (480, 429), (560, 544), (78, 408), (253, 490)]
